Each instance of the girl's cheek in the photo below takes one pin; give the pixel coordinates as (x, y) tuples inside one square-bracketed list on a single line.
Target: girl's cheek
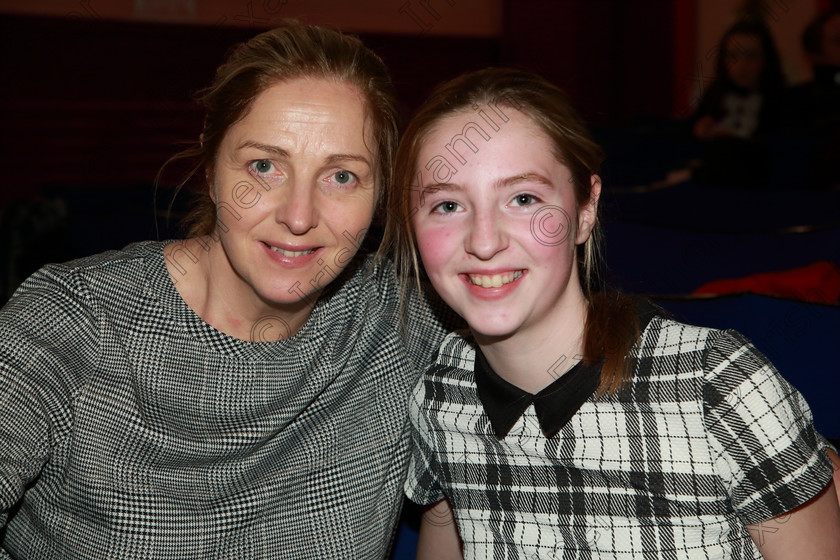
[(437, 247)]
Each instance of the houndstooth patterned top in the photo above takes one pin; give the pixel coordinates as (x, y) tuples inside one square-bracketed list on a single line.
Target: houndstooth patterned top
[(130, 428)]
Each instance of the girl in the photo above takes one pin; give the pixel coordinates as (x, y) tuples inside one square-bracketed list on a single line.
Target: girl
[(571, 422), (743, 99), (740, 108), (241, 393)]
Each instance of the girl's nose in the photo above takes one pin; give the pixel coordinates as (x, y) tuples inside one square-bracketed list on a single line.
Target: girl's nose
[(486, 237)]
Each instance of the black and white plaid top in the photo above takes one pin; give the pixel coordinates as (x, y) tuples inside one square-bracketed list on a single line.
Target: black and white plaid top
[(708, 438), (132, 429)]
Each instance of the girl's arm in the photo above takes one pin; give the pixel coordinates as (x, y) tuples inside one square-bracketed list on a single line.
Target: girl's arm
[(439, 534), (810, 531), (835, 463)]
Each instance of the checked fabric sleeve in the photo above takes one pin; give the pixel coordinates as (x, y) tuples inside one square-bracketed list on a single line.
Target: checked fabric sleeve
[(761, 432)]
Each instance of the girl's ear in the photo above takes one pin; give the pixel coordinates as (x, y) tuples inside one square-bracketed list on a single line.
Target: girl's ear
[(588, 212)]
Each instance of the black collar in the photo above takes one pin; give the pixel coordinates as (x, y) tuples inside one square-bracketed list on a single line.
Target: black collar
[(555, 405)]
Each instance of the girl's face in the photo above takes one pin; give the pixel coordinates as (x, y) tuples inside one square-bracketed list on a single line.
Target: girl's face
[(294, 190), (496, 222), (744, 60)]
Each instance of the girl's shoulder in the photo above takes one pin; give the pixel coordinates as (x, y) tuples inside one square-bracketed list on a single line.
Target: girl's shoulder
[(720, 359), (667, 335), (667, 346), (457, 350)]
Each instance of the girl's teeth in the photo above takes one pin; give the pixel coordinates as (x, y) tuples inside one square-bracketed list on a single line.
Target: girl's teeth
[(291, 253), (495, 281)]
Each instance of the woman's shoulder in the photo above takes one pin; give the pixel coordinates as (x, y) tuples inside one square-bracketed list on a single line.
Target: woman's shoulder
[(84, 274), (367, 272)]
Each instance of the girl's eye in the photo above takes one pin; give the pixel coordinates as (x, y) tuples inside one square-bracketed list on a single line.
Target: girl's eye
[(523, 200), (446, 207), (262, 166), (343, 177)]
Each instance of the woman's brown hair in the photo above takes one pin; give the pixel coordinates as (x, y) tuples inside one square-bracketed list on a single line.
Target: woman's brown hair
[(287, 52), (611, 325)]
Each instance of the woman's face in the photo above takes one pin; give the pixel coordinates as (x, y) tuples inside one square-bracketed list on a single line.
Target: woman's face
[(294, 189), (497, 223), (744, 60)]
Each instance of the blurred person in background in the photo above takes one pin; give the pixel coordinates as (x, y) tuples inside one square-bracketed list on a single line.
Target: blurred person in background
[(813, 108), (741, 106)]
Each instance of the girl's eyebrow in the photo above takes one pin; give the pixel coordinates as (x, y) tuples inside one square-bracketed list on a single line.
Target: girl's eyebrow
[(441, 187), (499, 184), (522, 178)]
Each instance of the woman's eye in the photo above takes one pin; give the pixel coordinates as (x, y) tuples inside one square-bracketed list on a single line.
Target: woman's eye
[(446, 207), (262, 166), (343, 177), (523, 200)]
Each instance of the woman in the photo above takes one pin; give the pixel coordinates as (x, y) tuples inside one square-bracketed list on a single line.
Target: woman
[(572, 422), (241, 393)]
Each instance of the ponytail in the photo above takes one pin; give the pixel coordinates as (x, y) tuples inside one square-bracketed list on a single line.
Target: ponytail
[(610, 332)]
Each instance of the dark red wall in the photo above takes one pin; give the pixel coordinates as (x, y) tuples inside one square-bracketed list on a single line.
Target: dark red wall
[(96, 103)]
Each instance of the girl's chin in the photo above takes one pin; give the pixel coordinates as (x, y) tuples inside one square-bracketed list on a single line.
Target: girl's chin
[(486, 334)]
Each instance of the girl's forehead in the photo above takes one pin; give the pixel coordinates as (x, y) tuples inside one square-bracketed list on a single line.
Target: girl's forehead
[(480, 122), (469, 149)]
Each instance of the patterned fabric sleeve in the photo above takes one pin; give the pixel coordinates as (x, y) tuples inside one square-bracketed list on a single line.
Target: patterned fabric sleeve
[(47, 342), (422, 486), (768, 454), (428, 321)]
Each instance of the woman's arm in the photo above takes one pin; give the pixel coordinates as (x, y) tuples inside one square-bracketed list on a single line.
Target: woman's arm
[(439, 534), (48, 342), (810, 531)]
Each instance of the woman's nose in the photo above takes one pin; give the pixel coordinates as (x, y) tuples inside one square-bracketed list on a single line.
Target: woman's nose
[(297, 209)]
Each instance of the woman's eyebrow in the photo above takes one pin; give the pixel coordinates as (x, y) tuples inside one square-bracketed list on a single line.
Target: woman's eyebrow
[(276, 150), (338, 158), (280, 152)]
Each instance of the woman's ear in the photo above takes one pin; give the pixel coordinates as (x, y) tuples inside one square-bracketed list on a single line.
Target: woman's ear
[(588, 212), (211, 187)]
